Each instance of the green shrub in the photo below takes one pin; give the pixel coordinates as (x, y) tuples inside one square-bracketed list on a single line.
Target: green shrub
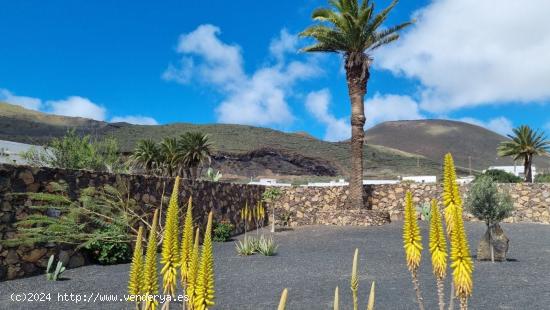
[(222, 232), (488, 204), (110, 253), (75, 152), (500, 176), (542, 178)]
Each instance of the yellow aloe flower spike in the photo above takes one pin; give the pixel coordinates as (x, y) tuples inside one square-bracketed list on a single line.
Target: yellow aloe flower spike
[(370, 304), (150, 273), (204, 289), (193, 270), (462, 264), (451, 193), (186, 243), (354, 279), (412, 240), (438, 244), (336, 305), (136, 268), (282, 302), (170, 243)]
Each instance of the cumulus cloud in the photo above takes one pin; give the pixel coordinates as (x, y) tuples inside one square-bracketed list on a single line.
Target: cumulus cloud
[(285, 43), (317, 103), (26, 102), (135, 119), (77, 107), (468, 53), (259, 98), (389, 107), (501, 125)]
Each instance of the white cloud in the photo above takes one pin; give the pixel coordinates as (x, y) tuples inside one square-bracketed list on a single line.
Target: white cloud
[(285, 43), (77, 107), (317, 103), (259, 98), (500, 125), (389, 107), (219, 63), (26, 102), (135, 119), (469, 53)]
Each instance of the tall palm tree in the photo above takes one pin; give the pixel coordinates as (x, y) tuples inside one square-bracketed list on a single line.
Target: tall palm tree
[(353, 30), (194, 150), (170, 156), (146, 155), (524, 144)]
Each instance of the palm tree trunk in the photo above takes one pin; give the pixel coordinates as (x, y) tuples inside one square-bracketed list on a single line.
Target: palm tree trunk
[(527, 169), (357, 75)]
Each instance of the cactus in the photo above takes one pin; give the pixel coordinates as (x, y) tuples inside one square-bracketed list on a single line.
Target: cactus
[(136, 268), (150, 272), (412, 242), (204, 288), (170, 243), (54, 274)]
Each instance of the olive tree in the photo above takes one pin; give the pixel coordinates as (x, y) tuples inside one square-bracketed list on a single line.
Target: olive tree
[(270, 196), (488, 204)]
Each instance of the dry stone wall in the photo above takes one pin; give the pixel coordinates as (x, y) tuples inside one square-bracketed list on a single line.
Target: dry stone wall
[(325, 205), (225, 199), (297, 206)]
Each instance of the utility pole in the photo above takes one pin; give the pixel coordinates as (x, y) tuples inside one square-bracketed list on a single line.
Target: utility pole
[(470, 164)]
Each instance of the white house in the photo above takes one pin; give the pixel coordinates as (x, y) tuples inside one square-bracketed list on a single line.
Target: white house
[(268, 182), (516, 170), (340, 182), (465, 180), (421, 178), (10, 152), (379, 182)]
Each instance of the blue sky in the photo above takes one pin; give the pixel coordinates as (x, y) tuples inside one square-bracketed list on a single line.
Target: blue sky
[(237, 62)]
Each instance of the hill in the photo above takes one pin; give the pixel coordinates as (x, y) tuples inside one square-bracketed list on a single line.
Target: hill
[(240, 151), (433, 138)]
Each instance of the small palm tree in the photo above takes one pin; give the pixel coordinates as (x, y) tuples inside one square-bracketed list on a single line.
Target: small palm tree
[(353, 30), (170, 156), (194, 149), (524, 145), (146, 155)]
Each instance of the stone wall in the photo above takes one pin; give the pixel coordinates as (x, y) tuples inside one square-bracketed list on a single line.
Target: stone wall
[(297, 206), (325, 205), (225, 199)]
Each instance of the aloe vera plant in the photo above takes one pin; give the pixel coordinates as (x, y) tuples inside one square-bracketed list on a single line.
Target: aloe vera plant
[(54, 274)]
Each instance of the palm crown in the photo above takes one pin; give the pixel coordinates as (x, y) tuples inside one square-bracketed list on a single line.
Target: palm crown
[(353, 28), (524, 142)]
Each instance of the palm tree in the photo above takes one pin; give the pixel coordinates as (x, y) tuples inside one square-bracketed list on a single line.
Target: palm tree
[(146, 155), (194, 149), (353, 30), (170, 156), (525, 143)]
